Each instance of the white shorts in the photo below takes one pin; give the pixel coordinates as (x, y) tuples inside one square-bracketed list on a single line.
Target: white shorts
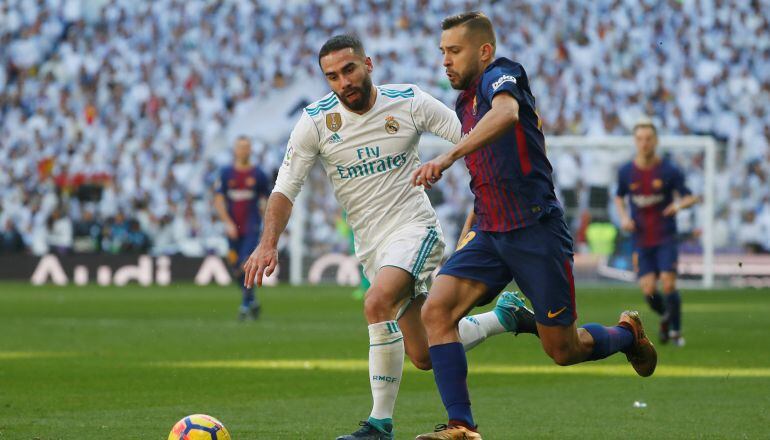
[(417, 249)]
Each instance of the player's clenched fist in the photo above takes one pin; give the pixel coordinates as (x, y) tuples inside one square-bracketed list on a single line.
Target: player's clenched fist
[(430, 172), (261, 262)]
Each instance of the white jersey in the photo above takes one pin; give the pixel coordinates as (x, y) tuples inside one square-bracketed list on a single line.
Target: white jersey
[(369, 158)]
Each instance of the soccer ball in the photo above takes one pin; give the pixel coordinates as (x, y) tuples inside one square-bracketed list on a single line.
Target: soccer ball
[(199, 427)]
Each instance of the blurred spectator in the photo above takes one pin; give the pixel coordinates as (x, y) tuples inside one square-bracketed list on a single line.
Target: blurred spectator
[(122, 104), (10, 238), (137, 242), (60, 234), (87, 233), (750, 233)]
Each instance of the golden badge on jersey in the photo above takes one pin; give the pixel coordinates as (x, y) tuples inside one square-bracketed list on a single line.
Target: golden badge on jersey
[(633, 186), (333, 121), (475, 108), (391, 125), (657, 184)]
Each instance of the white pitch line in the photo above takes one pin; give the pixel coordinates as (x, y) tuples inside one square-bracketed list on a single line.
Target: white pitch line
[(585, 369), (9, 355)]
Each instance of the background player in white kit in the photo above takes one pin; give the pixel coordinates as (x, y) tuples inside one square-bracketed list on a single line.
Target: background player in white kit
[(366, 138)]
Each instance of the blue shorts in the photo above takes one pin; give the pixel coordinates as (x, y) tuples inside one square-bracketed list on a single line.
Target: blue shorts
[(240, 249), (537, 257), (657, 259)]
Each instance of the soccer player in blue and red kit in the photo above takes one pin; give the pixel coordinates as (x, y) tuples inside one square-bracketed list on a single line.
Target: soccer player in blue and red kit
[(656, 191), (242, 190), (516, 231)]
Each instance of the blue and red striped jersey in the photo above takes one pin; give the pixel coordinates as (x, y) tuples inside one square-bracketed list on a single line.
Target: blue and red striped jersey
[(511, 177), (650, 191), (242, 190)]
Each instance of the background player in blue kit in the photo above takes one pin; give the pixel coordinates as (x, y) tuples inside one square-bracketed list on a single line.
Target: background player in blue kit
[(518, 230), (242, 189), (656, 191)]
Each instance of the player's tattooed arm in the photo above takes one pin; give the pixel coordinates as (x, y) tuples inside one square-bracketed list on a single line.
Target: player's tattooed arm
[(499, 119), (264, 259)]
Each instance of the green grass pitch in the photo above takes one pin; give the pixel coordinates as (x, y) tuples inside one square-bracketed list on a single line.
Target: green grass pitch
[(126, 363)]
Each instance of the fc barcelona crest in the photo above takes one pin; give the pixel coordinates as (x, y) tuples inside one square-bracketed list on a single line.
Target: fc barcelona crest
[(333, 121), (657, 184), (391, 125), (474, 109)]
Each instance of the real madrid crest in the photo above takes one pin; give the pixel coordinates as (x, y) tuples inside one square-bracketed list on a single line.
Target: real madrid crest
[(333, 121), (391, 125)]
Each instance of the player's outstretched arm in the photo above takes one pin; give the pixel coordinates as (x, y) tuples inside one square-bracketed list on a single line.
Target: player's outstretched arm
[(499, 119), (301, 152), (264, 259)]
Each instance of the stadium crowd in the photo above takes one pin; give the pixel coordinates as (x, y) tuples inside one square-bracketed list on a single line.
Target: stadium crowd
[(114, 115)]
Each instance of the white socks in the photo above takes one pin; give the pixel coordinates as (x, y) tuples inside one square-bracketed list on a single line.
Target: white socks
[(475, 329), (386, 356), (386, 364)]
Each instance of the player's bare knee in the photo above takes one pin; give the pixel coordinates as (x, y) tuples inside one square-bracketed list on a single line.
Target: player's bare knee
[(421, 362), (561, 354), (377, 306), (668, 286), (428, 314), (434, 316), (561, 357), (648, 288)]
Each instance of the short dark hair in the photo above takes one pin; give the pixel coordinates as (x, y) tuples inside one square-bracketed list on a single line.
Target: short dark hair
[(477, 23), (339, 42), (645, 123)]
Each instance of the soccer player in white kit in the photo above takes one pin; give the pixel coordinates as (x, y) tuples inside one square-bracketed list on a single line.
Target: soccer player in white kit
[(366, 137)]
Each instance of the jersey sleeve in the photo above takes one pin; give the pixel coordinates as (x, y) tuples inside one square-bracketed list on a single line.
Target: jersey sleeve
[(678, 183), (503, 78), (263, 183), (622, 190), (301, 152), (433, 116), (220, 186)]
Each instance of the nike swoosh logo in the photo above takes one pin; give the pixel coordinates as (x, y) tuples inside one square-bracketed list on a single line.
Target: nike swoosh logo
[(552, 315)]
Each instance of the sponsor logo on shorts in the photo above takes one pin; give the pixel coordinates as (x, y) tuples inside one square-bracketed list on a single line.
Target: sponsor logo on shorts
[(552, 315)]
